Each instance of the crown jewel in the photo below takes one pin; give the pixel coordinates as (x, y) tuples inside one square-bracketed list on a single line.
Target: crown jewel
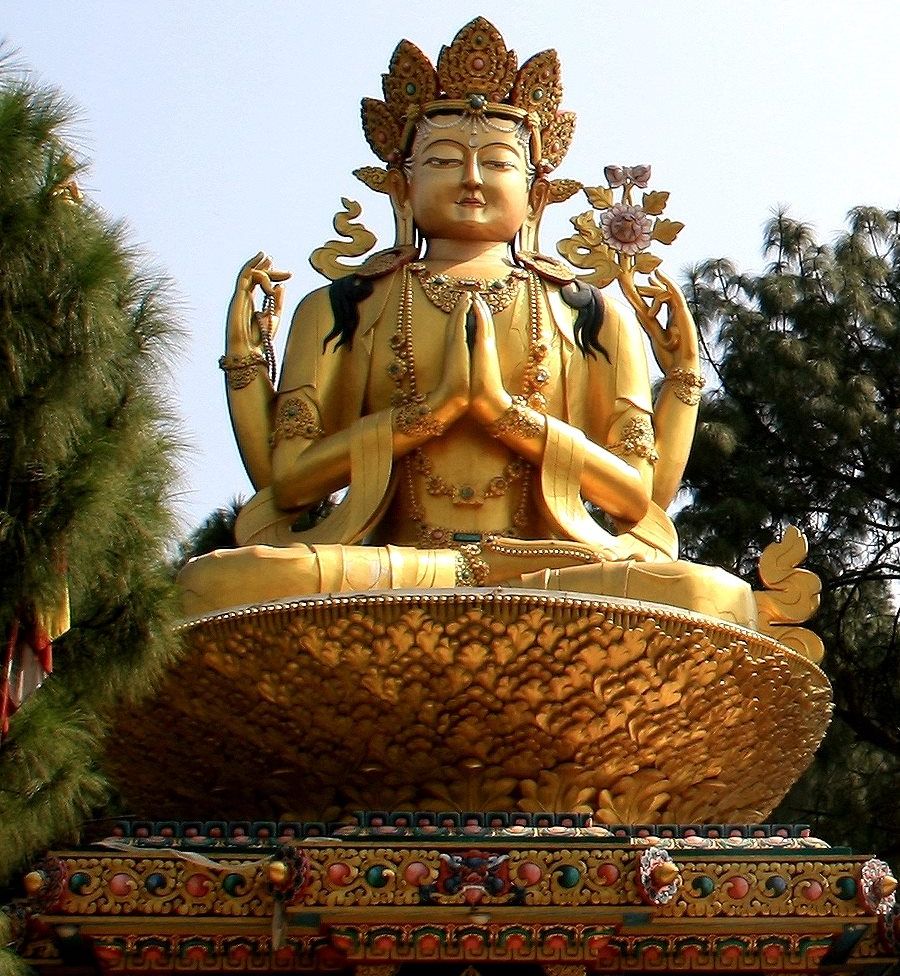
[(476, 73)]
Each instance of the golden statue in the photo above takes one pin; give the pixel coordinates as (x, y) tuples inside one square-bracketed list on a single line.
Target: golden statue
[(466, 394), (457, 586)]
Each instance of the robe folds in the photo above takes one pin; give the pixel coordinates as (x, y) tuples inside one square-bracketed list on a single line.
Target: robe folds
[(347, 388)]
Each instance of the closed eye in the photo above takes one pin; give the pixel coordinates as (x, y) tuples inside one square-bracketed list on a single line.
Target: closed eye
[(443, 162)]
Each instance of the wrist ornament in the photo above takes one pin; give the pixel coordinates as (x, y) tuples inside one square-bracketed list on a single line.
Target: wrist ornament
[(241, 370), (471, 568), (515, 420), (686, 385), (413, 417)]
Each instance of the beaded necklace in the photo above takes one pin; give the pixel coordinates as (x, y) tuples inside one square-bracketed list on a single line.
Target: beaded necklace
[(403, 372), (444, 292)]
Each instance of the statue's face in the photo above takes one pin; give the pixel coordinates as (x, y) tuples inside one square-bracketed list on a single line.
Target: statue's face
[(468, 181)]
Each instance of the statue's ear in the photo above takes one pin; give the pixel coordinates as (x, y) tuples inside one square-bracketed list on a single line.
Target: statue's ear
[(397, 187), (538, 196)]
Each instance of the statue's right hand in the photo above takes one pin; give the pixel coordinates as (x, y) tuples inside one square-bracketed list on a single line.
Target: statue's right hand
[(452, 393), (243, 323)]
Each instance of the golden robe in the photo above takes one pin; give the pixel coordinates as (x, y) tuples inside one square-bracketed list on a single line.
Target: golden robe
[(349, 389)]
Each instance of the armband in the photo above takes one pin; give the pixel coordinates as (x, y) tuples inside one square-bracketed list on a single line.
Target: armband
[(637, 439), (294, 418)]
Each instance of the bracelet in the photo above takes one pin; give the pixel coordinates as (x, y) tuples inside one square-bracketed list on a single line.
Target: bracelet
[(515, 420), (241, 370), (687, 385), (413, 417)]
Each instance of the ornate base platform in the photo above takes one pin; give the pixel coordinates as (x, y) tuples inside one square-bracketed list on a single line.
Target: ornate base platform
[(490, 699), (514, 702), (391, 900)]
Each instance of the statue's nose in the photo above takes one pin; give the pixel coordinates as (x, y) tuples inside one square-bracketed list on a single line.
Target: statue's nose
[(472, 173)]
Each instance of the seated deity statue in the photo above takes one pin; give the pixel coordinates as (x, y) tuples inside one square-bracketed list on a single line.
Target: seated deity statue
[(477, 413)]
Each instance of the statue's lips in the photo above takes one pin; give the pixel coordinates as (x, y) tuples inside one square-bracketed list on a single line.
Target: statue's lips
[(470, 202)]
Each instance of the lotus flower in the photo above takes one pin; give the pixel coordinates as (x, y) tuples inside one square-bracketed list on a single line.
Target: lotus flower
[(626, 228)]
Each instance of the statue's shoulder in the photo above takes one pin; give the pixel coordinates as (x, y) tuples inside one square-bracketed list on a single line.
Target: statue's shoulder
[(313, 303), (564, 287), (559, 277), (362, 287), (549, 270), (372, 276), (386, 262), (340, 317)]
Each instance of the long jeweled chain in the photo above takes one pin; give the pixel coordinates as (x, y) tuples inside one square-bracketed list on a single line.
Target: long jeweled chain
[(403, 372)]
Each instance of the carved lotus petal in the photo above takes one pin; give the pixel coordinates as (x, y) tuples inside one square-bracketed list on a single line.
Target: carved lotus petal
[(408, 700), (477, 62), (410, 79)]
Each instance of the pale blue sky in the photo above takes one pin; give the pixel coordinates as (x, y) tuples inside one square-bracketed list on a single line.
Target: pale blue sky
[(222, 128)]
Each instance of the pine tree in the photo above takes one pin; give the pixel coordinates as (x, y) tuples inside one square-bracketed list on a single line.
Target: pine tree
[(803, 427), (87, 469)]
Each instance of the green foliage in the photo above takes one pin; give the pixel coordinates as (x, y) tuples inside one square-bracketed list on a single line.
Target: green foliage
[(804, 428), (215, 532), (10, 963), (86, 468)]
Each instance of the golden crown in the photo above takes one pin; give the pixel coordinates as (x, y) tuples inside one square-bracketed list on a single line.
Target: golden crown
[(477, 74)]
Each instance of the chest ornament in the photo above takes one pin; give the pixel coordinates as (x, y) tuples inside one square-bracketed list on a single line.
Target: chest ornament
[(444, 291)]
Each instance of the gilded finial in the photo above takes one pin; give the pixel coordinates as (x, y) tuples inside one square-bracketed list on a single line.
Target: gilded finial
[(791, 595), (359, 240), (477, 63)]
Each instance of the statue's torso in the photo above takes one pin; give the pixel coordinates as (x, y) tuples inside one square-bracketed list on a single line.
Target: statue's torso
[(350, 387), (466, 457)]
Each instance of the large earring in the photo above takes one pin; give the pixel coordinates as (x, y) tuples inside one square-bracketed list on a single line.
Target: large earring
[(528, 233), (404, 226)]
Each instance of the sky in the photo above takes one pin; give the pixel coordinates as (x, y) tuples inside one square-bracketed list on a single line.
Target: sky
[(217, 129)]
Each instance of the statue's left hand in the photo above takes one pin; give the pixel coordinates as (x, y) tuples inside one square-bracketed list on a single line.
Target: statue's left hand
[(675, 345), (489, 397)]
